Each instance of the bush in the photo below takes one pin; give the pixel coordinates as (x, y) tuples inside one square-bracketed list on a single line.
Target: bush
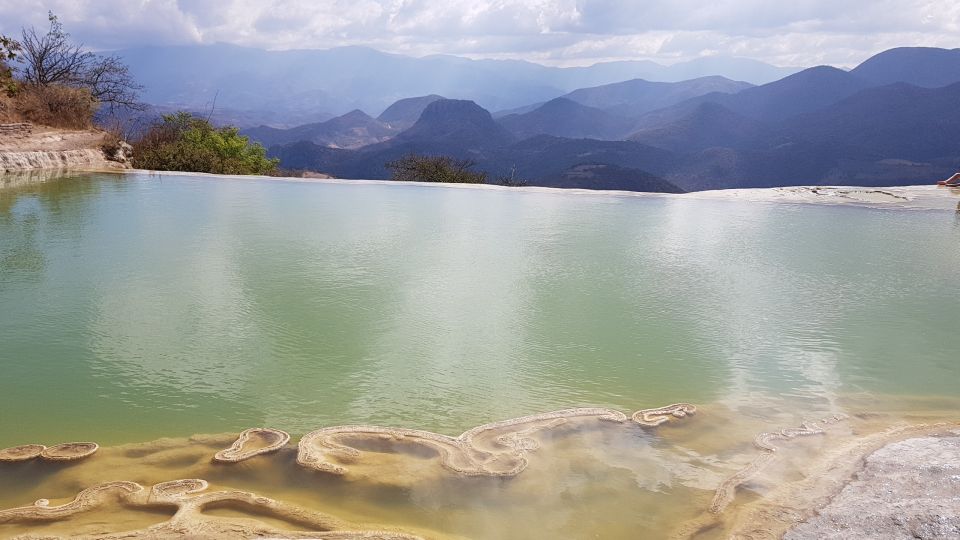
[(8, 53), (510, 180), (183, 142), (417, 168), (56, 106)]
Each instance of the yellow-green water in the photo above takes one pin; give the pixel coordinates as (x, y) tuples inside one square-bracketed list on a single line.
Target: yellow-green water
[(138, 307)]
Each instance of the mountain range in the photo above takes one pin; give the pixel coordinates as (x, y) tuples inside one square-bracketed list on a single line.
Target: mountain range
[(300, 86), (894, 119)]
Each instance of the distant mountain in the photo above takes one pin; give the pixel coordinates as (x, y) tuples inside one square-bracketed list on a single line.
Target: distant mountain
[(455, 122), (802, 92), (566, 118), (352, 130), (818, 87), (450, 127), (308, 156), (542, 160), (820, 126), (920, 66), (890, 135), (737, 69), (605, 176), (898, 121), (635, 97), (297, 83), (708, 125), (517, 110), (405, 112), (546, 156)]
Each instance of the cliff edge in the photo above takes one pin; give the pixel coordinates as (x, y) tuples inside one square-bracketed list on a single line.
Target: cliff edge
[(25, 147)]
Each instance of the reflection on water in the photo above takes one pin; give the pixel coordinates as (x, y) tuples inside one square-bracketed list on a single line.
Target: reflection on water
[(142, 307)]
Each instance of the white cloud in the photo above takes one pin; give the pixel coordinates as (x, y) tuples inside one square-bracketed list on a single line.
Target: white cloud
[(801, 32)]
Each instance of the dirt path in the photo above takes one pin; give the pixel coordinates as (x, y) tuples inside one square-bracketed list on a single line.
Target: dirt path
[(43, 139)]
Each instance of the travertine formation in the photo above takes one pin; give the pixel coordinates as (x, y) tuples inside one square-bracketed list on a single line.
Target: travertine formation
[(61, 452), (69, 451), (764, 441), (21, 453), (253, 442), (498, 449), (85, 500), (913, 487), (174, 488), (655, 417), (185, 497)]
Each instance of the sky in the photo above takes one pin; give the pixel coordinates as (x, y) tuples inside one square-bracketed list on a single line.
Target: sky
[(554, 32)]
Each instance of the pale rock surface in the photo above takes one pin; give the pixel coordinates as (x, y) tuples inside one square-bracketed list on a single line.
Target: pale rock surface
[(906, 490)]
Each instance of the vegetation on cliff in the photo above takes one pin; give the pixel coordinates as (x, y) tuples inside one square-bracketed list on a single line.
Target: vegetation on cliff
[(47, 79), (419, 168), (184, 142)]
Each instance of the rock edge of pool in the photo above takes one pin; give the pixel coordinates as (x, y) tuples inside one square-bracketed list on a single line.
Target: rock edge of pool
[(920, 197)]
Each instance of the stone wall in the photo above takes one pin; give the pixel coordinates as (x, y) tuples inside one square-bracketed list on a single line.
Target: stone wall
[(22, 129)]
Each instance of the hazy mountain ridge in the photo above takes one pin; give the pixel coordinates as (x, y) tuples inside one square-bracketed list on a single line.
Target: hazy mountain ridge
[(404, 113), (298, 83), (820, 125), (352, 130), (926, 67), (638, 96), (564, 117)]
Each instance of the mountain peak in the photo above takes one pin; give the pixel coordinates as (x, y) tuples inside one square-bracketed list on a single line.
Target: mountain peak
[(460, 121), (928, 67), (356, 115), (405, 112), (565, 117)]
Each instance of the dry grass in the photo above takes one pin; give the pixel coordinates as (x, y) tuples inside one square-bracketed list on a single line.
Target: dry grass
[(56, 106), (53, 106), (8, 112)]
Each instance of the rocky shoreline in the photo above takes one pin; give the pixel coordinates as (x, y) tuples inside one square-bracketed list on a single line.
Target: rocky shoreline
[(925, 197), (38, 148), (907, 489), (901, 482), (922, 197)]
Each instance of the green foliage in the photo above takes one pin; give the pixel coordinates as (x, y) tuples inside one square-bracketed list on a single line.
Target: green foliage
[(8, 53), (417, 168), (184, 142)]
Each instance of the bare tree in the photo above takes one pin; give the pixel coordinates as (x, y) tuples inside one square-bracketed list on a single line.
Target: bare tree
[(50, 58)]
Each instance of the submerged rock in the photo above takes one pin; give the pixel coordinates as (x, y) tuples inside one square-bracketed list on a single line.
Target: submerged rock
[(498, 449), (188, 499), (69, 451), (253, 442), (21, 453)]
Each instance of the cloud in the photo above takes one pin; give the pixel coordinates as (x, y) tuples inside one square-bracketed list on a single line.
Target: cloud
[(801, 32)]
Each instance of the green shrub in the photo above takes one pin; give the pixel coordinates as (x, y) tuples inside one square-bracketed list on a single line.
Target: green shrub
[(8, 53), (183, 142), (417, 168)]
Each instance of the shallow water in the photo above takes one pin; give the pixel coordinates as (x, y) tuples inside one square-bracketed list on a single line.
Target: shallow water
[(138, 307)]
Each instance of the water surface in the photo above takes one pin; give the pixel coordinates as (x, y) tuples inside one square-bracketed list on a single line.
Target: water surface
[(137, 307)]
